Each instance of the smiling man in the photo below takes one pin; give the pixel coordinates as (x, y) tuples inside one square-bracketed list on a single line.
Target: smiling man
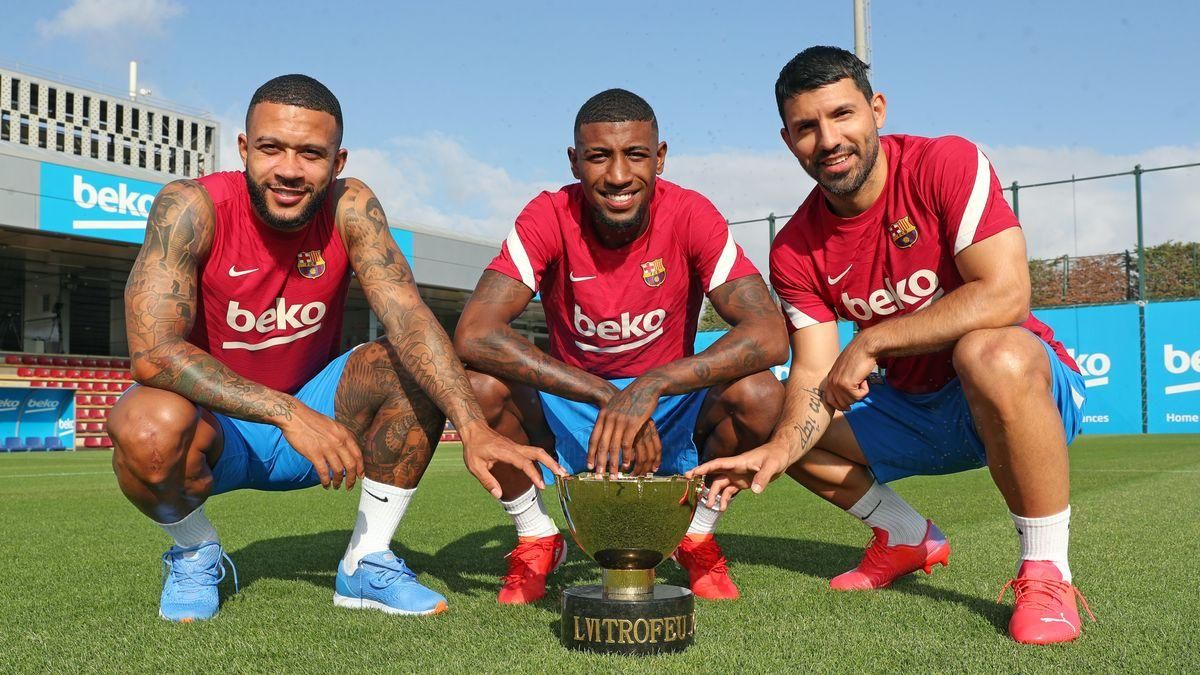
[(234, 315), (911, 239), (623, 261)]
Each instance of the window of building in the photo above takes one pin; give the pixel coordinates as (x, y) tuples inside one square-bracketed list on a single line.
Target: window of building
[(60, 137), (103, 114), (195, 135), (120, 121), (5, 123), (135, 121), (34, 90), (86, 113), (51, 102), (14, 94)]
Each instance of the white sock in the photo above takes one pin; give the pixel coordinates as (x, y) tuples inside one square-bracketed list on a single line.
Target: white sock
[(704, 521), (884, 509), (529, 515), (1045, 539), (193, 530), (380, 508)]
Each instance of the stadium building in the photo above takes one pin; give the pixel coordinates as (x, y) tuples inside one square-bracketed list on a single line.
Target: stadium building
[(79, 169)]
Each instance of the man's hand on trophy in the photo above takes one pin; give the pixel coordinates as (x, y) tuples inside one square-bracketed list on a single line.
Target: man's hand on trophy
[(752, 470), (620, 426)]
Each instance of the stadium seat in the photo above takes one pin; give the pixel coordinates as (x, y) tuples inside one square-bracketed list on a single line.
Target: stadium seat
[(12, 359), (83, 399), (36, 383), (73, 374), (89, 363), (54, 443), (53, 384), (105, 442), (24, 371), (29, 360), (34, 443), (80, 426), (41, 372), (60, 360), (58, 372), (91, 442), (110, 400), (13, 444), (74, 362), (45, 361), (87, 374)]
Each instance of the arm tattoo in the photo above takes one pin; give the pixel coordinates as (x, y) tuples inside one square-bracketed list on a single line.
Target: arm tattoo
[(496, 349), (160, 303), (420, 341)]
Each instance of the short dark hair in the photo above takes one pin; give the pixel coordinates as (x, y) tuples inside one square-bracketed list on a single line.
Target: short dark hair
[(615, 105), (816, 67), (301, 91)]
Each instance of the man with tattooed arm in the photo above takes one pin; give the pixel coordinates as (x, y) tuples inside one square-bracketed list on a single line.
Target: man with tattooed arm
[(234, 312), (623, 261)]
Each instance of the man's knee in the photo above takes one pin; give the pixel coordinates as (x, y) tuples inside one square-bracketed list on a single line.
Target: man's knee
[(491, 393), (151, 430), (1000, 361), (754, 398)]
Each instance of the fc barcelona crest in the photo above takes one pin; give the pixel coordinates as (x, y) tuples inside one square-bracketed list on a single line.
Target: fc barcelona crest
[(310, 264), (904, 233), (653, 272)]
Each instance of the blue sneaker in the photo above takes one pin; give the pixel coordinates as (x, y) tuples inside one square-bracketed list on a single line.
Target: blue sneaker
[(190, 583), (382, 581)]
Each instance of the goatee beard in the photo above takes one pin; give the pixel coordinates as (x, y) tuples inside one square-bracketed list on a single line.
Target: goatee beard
[(258, 199)]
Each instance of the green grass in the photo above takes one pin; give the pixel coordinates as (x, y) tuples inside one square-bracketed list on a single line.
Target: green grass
[(80, 579)]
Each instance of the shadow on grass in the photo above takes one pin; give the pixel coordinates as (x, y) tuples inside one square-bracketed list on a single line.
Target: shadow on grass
[(473, 565)]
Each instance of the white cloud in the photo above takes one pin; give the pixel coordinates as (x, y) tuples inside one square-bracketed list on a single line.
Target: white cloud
[(107, 17)]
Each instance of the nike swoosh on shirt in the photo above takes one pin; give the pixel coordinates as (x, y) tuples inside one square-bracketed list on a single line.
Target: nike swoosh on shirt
[(575, 278), (834, 280), (235, 272)]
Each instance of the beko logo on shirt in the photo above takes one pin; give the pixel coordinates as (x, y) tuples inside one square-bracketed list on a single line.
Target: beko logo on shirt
[(646, 327), (281, 316), (919, 289)]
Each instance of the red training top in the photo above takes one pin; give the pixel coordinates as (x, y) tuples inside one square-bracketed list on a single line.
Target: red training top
[(897, 257), (270, 303), (621, 312)]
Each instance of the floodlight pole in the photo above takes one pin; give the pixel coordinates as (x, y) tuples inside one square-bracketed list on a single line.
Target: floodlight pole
[(862, 30)]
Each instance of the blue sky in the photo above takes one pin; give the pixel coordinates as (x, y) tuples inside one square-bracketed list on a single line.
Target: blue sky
[(459, 112)]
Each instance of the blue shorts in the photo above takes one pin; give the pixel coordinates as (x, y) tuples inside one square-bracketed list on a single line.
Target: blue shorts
[(925, 434), (674, 418), (258, 457)]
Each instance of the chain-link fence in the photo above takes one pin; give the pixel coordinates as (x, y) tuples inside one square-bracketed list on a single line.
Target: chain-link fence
[(1155, 227)]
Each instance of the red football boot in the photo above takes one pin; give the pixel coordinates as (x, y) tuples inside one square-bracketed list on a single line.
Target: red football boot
[(883, 564), (1045, 611), (528, 566), (706, 567)]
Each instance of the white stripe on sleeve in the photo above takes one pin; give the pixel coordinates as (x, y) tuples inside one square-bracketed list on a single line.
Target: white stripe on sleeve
[(975, 205), (799, 319), (724, 264), (516, 251)]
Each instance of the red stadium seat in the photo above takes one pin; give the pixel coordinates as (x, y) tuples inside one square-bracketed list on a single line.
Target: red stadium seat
[(45, 361), (91, 442), (60, 360), (24, 372), (105, 442), (74, 362), (110, 400), (52, 384), (87, 374), (12, 359), (29, 360), (58, 372), (73, 374), (89, 363), (100, 413), (41, 372), (36, 383), (80, 427), (86, 386), (103, 363)]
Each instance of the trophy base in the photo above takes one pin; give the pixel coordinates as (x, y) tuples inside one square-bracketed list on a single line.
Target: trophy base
[(663, 621)]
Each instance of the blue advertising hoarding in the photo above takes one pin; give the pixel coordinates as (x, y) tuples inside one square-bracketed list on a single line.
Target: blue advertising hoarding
[(93, 204), (38, 413), (1173, 367), (1103, 340)]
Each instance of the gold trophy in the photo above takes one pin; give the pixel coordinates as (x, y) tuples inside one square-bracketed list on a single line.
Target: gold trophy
[(628, 525)]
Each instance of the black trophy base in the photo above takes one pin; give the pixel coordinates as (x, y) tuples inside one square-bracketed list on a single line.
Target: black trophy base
[(662, 622)]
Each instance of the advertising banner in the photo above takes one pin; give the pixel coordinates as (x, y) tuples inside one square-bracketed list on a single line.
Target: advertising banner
[(1104, 343), (1173, 367), (39, 414), (94, 204)]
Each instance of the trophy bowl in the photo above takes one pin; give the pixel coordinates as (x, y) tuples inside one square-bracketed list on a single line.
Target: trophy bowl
[(628, 525)]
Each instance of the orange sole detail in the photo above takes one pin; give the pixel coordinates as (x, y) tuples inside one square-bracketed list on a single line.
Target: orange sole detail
[(940, 557)]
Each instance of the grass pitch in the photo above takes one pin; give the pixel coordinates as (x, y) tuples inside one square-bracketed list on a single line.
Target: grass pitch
[(80, 579)]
